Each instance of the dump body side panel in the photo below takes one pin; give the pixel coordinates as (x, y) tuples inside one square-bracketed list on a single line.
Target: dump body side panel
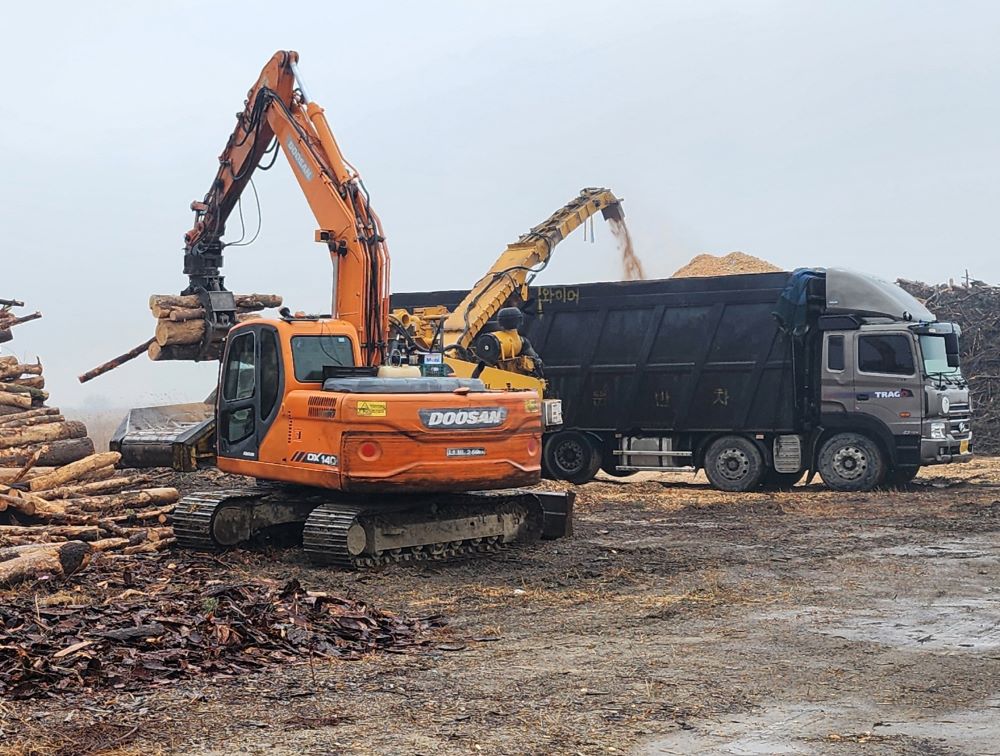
[(696, 354)]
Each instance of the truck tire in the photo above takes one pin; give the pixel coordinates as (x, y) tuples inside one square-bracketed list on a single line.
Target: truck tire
[(900, 476), (571, 456), (778, 481), (734, 463), (851, 462)]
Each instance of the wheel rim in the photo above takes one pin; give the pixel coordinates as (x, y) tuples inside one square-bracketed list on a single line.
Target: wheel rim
[(569, 456), (733, 464), (850, 462)]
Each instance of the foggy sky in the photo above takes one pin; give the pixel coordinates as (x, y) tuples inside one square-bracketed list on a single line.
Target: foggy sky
[(856, 134)]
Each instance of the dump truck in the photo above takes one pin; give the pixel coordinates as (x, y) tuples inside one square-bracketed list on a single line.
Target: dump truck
[(756, 379)]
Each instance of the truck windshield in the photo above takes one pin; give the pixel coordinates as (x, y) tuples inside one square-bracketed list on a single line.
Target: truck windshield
[(936, 356), (311, 353)]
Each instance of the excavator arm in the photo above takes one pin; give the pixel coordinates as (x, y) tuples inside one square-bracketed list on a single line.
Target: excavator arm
[(278, 115)]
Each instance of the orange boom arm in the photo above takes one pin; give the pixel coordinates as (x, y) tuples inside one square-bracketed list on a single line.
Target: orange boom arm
[(279, 115)]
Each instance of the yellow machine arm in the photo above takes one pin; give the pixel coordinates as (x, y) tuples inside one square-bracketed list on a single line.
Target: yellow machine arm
[(519, 262), (435, 328)]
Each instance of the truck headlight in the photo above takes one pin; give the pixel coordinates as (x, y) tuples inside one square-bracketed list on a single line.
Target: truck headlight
[(945, 405), (937, 430)]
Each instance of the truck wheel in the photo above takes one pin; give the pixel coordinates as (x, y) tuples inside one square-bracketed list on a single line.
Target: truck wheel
[(733, 463), (571, 456), (851, 462), (900, 476), (778, 481)]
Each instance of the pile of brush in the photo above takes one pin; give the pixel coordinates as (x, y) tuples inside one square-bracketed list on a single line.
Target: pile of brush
[(9, 319), (52, 520), (976, 307)]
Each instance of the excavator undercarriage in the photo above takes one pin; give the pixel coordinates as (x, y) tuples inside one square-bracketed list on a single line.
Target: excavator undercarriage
[(355, 531)]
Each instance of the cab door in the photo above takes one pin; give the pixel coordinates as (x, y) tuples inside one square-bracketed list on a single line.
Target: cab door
[(887, 380), (250, 385)]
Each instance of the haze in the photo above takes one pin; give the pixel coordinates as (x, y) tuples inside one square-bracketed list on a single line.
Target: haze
[(854, 134)]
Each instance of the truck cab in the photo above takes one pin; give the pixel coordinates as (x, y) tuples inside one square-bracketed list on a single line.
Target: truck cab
[(899, 384)]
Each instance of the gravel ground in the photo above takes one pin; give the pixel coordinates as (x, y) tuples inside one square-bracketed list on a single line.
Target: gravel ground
[(677, 620)]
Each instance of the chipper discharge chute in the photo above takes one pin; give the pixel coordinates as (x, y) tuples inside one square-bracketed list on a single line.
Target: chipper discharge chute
[(179, 436)]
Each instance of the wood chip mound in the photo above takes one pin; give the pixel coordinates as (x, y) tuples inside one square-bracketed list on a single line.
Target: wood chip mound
[(727, 265)]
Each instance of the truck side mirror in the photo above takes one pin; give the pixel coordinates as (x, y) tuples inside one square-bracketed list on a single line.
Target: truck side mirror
[(951, 349)]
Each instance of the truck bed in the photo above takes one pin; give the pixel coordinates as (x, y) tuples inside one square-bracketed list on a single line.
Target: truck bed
[(692, 354)]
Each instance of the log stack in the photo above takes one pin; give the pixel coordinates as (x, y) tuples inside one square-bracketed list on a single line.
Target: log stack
[(180, 330), (28, 428), (180, 323), (52, 520)]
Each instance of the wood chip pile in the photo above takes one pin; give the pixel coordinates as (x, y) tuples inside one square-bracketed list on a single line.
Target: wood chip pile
[(727, 265), (976, 308)]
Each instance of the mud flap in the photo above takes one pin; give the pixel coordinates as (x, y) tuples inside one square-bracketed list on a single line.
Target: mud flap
[(557, 513)]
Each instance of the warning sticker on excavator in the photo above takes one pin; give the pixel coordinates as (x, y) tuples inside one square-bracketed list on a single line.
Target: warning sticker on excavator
[(371, 409), (531, 405)]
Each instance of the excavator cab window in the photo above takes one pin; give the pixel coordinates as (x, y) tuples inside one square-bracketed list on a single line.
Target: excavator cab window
[(312, 353), (270, 375), (239, 383)]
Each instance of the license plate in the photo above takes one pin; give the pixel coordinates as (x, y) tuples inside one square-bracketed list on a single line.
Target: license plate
[(963, 447), (466, 452)]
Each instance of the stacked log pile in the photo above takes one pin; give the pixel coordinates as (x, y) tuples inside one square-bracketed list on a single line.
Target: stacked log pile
[(29, 430), (180, 323), (52, 520), (975, 307)]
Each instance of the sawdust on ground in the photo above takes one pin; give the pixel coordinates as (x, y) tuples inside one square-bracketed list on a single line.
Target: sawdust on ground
[(678, 619), (724, 265)]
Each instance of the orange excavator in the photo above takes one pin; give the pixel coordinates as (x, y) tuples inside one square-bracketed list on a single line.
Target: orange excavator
[(380, 463)]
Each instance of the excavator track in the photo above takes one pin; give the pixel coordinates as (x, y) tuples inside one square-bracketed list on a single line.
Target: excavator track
[(193, 516), (356, 537), (214, 520), (356, 534)]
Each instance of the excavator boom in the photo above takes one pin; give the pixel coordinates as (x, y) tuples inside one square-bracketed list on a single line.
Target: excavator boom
[(278, 115)]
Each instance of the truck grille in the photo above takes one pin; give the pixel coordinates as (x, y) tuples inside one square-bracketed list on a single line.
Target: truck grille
[(959, 421)]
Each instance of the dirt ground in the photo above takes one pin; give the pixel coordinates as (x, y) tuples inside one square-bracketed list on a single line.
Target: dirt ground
[(677, 620)]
